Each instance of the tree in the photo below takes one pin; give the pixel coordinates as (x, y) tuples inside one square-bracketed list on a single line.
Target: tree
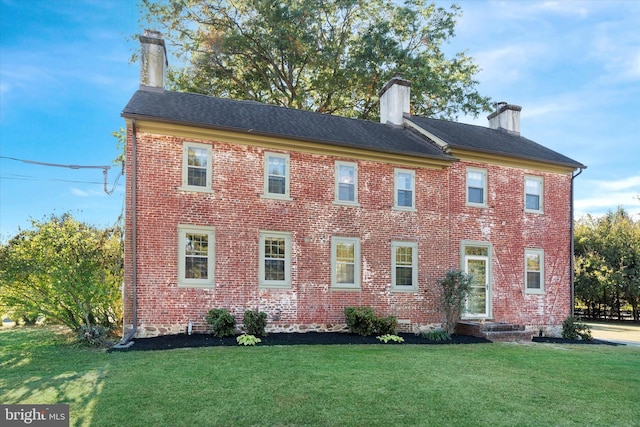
[(329, 56), (455, 288), (607, 268), (66, 271)]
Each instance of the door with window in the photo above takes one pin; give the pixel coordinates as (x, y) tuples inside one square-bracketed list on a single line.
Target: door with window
[(477, 265)]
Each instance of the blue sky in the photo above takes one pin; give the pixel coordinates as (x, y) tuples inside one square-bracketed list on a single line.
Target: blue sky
[(574, 67)]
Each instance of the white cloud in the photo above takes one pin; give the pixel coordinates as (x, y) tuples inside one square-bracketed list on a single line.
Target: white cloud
[(607, 195)]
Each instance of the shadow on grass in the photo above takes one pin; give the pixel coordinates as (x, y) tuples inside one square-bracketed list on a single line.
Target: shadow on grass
[(41, 367)]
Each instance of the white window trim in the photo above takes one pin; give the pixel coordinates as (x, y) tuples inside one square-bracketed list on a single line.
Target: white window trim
[(286, 283), (484, 187), (414, 266), (541, 201), (185, 168), (411, 208), (266, 194), (540, 253), (196, 283), (336, 191), (356, 267)]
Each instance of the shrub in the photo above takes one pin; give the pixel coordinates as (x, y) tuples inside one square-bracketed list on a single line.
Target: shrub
[(437, 335), (247, 339), (390, 337), (573, 330), (222, 322), (455, 287), (363, 321), (255, 322), (360, 320), (386, 325)]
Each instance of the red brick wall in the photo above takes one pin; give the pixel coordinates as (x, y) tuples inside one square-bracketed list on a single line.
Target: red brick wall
[(238, 214)]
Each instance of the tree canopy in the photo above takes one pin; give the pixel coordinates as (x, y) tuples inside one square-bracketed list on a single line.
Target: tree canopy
[(64, 270), (329, 56), (607, 267)]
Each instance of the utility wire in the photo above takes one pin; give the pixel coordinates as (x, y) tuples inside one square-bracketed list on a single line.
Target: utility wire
[(105, 170)]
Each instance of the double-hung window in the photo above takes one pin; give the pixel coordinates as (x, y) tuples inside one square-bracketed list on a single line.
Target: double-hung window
[(276, 175), (476, 187), (404, 191), (195, 256), (196, 166), (346, 183), (404, 266), (345, 262), (533, 191), (275, 259), (534, 271)]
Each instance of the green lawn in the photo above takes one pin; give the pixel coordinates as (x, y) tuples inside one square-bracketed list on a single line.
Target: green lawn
[(376, 385)]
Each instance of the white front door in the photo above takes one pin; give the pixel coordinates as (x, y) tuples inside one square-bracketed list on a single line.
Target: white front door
[(477, 303)]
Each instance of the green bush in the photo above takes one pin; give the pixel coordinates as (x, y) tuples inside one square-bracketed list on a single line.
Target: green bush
[(255, 322), (363, 321), (386, 325), (360, 320), (437, 335), (573, 330), (222, 322)]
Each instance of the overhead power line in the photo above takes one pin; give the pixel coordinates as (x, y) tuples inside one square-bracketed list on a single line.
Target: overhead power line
[(105, 169)]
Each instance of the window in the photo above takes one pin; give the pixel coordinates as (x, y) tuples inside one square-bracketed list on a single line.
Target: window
[(534, 271), (476, 187), (275, 259), (404, 266), (345, 262), (405, 196), (276, 175), (196, 166), (195, 256), (346, 187), (533, 194)]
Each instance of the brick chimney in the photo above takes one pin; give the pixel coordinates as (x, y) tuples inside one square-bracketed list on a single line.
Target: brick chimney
[(394, 101), (153, 61), (506, 117)]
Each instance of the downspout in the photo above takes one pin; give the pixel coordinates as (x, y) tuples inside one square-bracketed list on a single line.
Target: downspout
[(571, 256), (125, 342)]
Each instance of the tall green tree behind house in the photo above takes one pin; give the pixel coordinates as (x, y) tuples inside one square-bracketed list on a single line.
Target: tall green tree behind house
[(66, 271), (607, 267), (329, 56)]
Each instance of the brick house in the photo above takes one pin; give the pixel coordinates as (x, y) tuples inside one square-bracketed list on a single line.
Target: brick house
[(241, 205)]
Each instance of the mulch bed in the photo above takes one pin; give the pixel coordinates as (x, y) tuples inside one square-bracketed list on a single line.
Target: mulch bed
[(167, 342)]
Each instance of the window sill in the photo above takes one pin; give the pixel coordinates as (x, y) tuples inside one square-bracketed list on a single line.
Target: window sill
[(404, 209), (196, 285), (346, 203), (196, 190), (476, 205), (274, 286), (404, 290), (534, 291), (534, 212), (345, 288), (276, 197)]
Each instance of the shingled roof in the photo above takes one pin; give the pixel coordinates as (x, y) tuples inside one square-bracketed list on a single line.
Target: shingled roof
[(493, 141), (270, 120)]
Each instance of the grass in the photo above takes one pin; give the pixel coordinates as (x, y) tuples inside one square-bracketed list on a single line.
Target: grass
[(375, 385)]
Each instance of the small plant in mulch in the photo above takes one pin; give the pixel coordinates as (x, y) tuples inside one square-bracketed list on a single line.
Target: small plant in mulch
[(389, 337), (248, 339), (437, 335)]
